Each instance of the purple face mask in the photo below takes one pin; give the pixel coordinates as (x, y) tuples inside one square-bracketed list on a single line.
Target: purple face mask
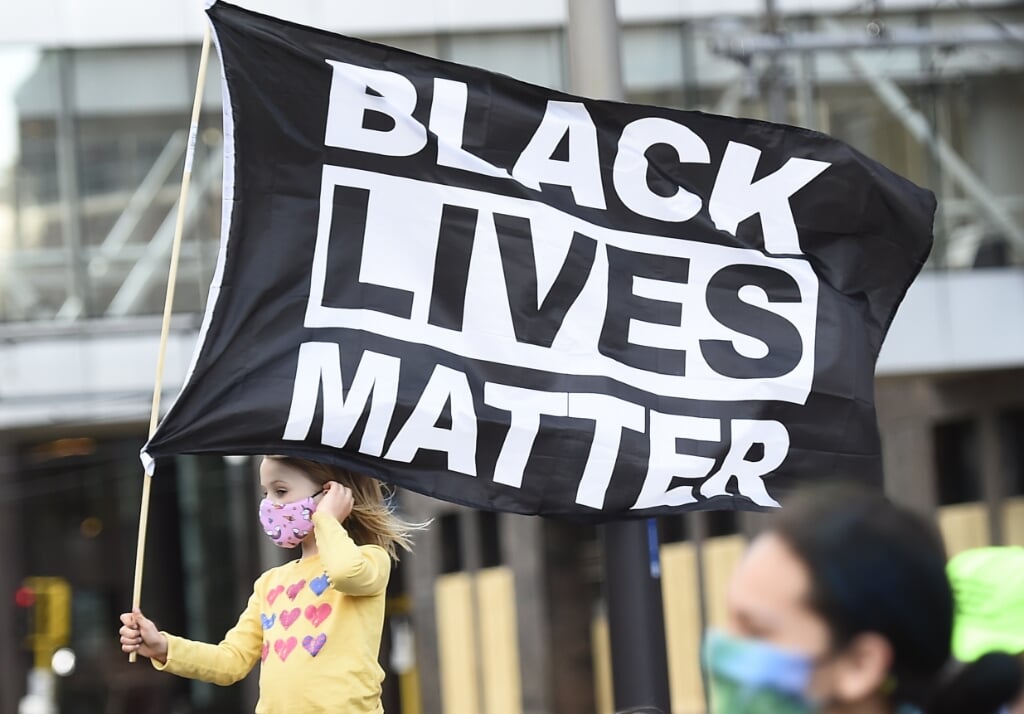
[(288, 524)]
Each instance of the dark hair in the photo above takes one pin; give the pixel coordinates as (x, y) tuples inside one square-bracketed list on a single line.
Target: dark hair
[(980, 687), (879, 567)]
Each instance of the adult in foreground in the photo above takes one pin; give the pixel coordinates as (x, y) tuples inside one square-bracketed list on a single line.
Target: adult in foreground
[(843, 606)]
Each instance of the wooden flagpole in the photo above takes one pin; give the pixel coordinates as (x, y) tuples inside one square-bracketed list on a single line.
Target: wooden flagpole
[(172, 278)]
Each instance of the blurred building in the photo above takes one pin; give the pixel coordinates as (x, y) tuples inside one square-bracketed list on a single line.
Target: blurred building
[(494, 614)]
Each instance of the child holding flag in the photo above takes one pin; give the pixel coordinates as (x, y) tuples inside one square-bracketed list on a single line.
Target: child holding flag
[(314, 623)]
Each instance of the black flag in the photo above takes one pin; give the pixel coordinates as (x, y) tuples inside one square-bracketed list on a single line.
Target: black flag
[(518, 299)]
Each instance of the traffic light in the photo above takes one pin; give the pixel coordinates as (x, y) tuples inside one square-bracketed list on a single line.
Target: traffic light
[(48, 601)]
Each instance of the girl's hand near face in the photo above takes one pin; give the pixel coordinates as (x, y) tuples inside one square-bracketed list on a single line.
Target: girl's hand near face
[(337, 501)]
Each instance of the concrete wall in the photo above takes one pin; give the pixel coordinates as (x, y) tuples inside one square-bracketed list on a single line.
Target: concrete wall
[(957, 321), (89, 372), (102, 22), (909, 409)]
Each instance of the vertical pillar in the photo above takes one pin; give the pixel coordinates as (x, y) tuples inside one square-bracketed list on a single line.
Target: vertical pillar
[(242, 517), (632, 579), (194, 563), (67, 180), (522, 546), (242, 514), (568, 594), (12, 570), (424, 568), (636, 620), (595, 65), (995, 476), (906, 420), (775, 78)]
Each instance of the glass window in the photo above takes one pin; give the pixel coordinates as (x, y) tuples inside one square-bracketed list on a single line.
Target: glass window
[(652, 57), (451, 543), (957, 462), (429, 45), (91, 149), (530, 56), (33, 275), (489, 525), (131, 108), (1013, 438)]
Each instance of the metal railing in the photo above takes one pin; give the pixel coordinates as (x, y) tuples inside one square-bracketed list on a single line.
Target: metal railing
[(124, 267)]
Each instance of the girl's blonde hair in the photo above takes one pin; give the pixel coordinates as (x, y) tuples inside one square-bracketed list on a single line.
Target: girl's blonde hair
[(373, 520)]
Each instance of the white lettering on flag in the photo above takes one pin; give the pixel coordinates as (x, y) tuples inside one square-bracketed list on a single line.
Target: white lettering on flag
[(697, 354), (736, 196), (320, 364), (630, 170), (420, 431)]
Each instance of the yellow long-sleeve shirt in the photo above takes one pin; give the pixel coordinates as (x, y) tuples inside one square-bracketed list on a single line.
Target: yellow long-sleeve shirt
[(314, 624)]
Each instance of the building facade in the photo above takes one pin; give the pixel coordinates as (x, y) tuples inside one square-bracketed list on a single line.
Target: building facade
[(493, 614)]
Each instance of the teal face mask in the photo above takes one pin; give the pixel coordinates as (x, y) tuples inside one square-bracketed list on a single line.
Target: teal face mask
[(751, 677)]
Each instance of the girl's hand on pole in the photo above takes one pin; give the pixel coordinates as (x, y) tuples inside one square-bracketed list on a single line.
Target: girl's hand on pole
[(337, 501), (139, 634)]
